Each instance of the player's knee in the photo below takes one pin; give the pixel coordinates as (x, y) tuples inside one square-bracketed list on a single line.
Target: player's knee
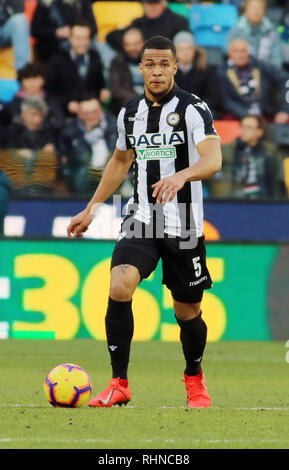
[(120, 291), (186, 311)]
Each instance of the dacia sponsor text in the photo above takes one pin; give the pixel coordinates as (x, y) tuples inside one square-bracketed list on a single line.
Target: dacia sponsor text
[(156, 139)]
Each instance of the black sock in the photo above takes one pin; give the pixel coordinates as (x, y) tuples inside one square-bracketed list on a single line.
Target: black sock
[(119, 332), (193, 336)]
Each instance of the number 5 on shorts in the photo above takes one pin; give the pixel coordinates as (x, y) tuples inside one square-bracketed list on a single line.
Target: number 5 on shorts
[(197, 266)]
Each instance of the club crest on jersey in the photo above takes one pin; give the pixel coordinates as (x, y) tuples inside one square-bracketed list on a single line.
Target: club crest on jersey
[(156, 139), (173, 119)]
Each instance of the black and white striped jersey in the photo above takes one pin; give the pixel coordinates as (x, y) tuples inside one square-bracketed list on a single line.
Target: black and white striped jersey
[(163, 137)]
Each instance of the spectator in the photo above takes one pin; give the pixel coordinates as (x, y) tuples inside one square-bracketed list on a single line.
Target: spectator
[(72, 72), (14, 29), (5, 119), (31, 80), (194, 74), (259, 32), (86, 144), (32, 151), (250, 86), (126, 81), (31, 133), (283, 30), (158, 19), (52, 22), (252, 168)]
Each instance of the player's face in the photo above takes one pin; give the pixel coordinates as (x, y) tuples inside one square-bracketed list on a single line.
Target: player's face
[(158, 68)]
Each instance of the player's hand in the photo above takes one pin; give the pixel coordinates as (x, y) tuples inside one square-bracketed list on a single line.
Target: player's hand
[(166, 188), (79, 224)]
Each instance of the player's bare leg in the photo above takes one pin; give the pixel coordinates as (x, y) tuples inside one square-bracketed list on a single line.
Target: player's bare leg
[(193, 336), (124, 280), (119, 331), (185, 311)]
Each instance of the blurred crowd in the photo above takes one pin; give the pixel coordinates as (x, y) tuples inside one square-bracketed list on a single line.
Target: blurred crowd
[(58, 130)]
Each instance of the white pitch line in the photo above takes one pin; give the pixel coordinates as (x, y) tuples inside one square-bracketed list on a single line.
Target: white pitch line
[(19, 405), (147, 441), (261, 408)]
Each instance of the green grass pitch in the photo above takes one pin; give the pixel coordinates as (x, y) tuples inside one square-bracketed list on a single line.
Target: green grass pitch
[(248, 383)]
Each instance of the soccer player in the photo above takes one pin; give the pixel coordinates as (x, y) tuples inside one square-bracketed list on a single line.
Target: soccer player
[(168, 135)]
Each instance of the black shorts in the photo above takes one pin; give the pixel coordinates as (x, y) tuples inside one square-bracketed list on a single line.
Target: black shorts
[(185, 271)]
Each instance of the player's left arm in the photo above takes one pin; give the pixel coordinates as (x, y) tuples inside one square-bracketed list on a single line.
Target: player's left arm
[(210, 162), (208, 145)]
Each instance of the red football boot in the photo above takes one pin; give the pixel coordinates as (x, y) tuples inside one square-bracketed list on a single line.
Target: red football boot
[(114, 394), (197, 392)]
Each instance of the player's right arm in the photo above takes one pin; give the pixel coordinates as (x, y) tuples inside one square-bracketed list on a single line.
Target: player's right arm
[(113, 175)]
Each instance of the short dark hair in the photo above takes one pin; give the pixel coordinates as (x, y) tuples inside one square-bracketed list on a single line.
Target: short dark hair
[(30, 70), (134, 29), (82, 22), (246, 3), (87, 96), (261, 123), (160, 43)]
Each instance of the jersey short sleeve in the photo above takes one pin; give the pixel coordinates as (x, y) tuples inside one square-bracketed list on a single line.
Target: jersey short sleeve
[(202, 122), (122, 142)]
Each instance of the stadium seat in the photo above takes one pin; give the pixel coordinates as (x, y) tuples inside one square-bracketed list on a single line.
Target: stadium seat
[(115, 15), (281, 134), (215, 55), (227, 130), (210, 23), (8, 88), (179, 8), (7, 67), (29, 9), (275, 14)]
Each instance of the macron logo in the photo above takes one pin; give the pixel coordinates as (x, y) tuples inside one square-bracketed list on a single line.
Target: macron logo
[(199, 359), (136, 118), (112, 348)]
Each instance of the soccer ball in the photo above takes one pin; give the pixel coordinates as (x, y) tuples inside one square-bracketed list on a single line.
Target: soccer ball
[(67, 386)]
